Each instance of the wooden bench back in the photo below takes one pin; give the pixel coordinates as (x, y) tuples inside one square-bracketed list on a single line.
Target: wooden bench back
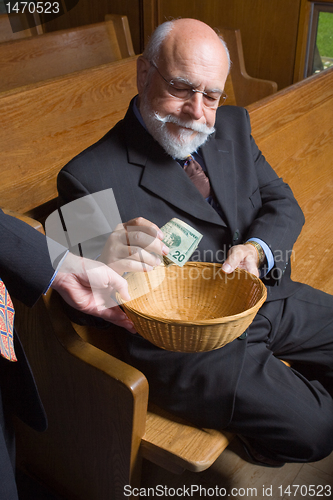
[(246, 88), (294, 129), (39, 58), (47, 124), (123, 33)]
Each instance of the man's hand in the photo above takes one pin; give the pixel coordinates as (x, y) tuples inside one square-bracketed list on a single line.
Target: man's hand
[(134, 246), (244, 257), (88, 286)]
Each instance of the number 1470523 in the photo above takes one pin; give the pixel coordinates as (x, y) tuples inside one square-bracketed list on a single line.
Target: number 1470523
[(32, 7), (306, 490)]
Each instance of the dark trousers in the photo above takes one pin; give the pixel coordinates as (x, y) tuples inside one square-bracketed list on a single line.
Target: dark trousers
[(287, 413), (8, 489)]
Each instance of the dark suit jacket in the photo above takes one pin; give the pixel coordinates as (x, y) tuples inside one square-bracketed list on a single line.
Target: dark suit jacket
[(26, 270), (255, 203)]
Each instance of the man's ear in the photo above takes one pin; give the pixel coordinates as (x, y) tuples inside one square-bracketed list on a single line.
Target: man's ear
[(142, 67)]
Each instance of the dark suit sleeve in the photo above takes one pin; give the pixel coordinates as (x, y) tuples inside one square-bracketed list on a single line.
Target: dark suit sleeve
[(25, 265), (69, 188)]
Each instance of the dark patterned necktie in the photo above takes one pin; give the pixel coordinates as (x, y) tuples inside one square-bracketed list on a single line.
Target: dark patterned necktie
[(197, 176), (6, 324)]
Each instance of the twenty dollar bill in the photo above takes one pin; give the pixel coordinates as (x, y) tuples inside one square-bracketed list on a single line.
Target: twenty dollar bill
[(182, 240)]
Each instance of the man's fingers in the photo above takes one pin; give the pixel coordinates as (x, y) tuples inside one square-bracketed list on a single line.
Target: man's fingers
[(145, 226), (243, 257), (116, 316), (233, 260), (132, 237), (103, 279), (121, 286)]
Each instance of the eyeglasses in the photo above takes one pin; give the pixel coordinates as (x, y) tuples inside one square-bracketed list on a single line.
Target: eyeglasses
[(210, 99)]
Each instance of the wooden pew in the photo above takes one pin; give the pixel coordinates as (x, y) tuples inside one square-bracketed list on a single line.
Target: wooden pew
[(57, 53), (97, 405), (247, 89), (294, 129), (46, 124)]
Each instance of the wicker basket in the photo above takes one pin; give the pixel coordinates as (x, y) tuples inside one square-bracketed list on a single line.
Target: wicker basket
[(193, 308)]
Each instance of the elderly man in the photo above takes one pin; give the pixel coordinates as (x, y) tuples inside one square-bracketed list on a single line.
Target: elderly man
[(248, 217)]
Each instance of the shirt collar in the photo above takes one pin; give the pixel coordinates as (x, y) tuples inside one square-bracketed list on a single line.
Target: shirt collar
[(137, 112)]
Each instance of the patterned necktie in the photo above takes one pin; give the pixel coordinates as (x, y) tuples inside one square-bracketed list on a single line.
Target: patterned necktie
[(197, 176), (6, 324)]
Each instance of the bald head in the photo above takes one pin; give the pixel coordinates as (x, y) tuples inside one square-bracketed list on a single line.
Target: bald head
[(182, 34)]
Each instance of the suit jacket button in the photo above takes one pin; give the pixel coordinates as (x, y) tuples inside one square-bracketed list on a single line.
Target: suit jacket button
[(236, 235)]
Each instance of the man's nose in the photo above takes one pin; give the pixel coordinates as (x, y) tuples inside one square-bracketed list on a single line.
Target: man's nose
[(194, 106)]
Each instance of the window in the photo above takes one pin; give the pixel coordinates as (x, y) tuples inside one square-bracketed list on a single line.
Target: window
[(320, 42)]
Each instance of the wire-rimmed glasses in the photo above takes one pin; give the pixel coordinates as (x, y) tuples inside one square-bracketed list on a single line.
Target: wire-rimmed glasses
[(211, 99)]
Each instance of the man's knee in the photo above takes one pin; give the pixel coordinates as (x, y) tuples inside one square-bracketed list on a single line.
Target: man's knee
[(316, 444)]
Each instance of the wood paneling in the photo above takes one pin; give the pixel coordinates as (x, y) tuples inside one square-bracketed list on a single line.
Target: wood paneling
[(268, 29)]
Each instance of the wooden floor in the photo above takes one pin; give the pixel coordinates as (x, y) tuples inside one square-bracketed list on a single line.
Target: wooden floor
[(231, 471)]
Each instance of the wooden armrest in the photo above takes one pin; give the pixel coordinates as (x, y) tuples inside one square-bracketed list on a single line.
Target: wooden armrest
[(95, 404), (169, 442), (176, 445)]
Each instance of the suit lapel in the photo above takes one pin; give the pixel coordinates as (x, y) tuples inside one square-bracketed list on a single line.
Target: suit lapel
[(169, 181), (219, 160)]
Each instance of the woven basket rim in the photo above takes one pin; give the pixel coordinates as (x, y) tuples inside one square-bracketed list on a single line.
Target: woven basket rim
[(212, 321)]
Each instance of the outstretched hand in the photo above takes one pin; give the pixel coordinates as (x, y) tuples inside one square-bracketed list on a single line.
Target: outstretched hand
[(88, 286)]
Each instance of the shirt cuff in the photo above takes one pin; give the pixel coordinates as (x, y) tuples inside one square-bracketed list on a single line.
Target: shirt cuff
[(268, 254), (55, 273)]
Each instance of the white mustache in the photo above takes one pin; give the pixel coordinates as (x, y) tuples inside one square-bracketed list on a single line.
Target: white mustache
[(196, 127)]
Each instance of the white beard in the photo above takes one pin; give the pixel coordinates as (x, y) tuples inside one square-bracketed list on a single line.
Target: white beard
[(182, 146)]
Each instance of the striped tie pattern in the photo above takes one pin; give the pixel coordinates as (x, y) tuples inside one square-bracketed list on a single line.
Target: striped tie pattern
[(197, 176), (6, 324)]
